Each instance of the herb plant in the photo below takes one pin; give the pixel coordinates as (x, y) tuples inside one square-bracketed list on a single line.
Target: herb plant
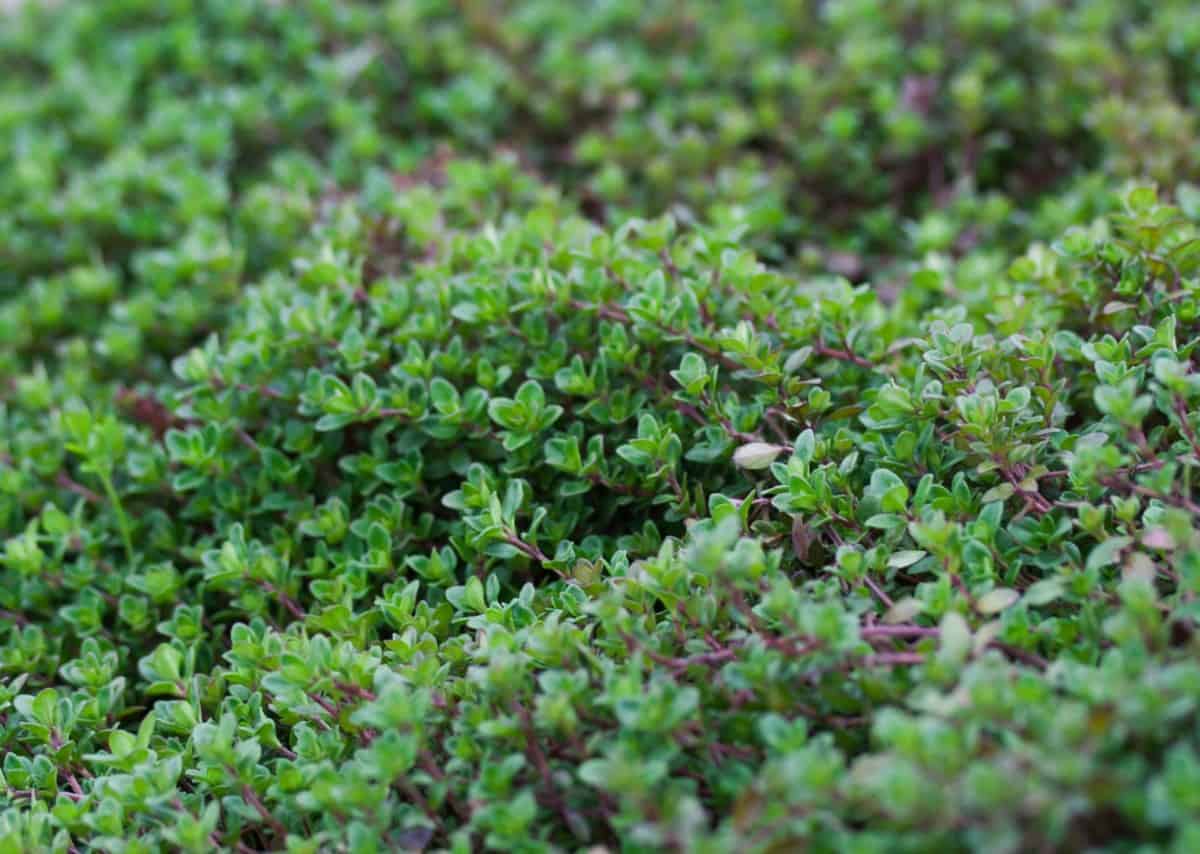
[(431, 426)]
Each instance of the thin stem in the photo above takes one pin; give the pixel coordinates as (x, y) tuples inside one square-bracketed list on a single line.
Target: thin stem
[(878, 591), (527, 549), (251, 797), (822, 349), (122, 518), (65, 481)]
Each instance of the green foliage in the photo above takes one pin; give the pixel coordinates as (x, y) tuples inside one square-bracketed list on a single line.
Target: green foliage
[(161, 150), (748, 448)]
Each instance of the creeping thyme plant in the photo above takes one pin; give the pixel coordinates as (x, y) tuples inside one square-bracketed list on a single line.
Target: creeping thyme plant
[(693, 426)]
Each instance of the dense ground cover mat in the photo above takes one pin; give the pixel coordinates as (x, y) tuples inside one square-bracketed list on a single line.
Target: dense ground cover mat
[(697, 427)]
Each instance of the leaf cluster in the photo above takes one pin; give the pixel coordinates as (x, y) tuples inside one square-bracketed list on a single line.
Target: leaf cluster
[(360, 494)]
